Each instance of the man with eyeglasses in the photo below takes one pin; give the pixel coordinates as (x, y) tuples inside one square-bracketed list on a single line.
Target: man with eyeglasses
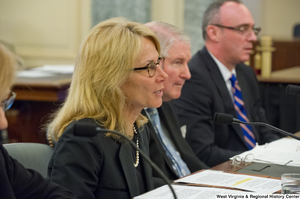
[(168, 148), (228, 30)]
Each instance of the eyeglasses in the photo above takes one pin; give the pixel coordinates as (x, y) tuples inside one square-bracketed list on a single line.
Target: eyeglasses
[(6, 104), (244, 29), (151, 67), (239, 161)]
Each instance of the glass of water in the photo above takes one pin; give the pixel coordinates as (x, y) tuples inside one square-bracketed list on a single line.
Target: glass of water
[(290, 183)]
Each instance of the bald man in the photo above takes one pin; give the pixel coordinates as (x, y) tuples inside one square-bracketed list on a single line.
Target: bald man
[(228, 30)]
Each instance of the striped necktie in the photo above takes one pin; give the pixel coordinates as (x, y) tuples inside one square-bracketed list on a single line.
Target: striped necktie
[(179, 166), (239, 107)]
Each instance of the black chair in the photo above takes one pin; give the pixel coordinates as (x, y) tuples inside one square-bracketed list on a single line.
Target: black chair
[(297, 30)]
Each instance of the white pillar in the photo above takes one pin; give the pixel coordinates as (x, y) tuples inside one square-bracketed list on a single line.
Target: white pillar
[(169, 11)]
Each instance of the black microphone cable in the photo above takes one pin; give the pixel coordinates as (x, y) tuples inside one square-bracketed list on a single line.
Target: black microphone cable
[(223, 118), (78, 132)]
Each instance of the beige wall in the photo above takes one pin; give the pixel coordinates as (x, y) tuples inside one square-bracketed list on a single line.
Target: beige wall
[(45, 32), (276, 17), (50, 31), (169, 11), (279, 17)]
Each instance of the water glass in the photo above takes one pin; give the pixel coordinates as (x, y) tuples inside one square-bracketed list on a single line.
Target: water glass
[(290, 183)]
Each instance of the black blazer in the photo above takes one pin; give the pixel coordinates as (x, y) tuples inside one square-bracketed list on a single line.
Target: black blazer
[(204, 95), (98, 166), (157, 152), (18, 182)]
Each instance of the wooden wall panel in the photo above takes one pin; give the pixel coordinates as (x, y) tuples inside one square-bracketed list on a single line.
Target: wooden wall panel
[(286, 55)]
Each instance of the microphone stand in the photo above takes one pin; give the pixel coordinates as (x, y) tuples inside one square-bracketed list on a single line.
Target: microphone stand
[(236, 121)]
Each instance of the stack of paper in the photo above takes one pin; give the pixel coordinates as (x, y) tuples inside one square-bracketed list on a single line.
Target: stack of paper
[(285, 151), (189, 192), (238, 181), (239, 185)]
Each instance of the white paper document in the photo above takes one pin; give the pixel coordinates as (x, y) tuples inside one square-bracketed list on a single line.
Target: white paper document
[(245, 182), (285, 151), (188, 192), (62, 69), (34, 74), (46, 71)]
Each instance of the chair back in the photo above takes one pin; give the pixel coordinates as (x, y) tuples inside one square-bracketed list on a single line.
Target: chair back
[(297, 30), (34, 156)]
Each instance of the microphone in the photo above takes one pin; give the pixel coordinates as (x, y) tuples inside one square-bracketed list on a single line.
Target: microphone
[(88, 130), (293, 89), (223, 118)]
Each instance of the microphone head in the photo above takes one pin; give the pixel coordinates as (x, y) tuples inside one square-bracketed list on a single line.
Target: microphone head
[(87, 129), (293, 89), (223, 118), (84, 129)]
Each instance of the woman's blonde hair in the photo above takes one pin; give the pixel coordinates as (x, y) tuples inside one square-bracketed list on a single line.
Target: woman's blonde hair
[(7, 68), (105, 60)]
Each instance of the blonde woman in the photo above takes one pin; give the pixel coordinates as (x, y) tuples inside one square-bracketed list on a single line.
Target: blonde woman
[(15, 180), (118, 72)]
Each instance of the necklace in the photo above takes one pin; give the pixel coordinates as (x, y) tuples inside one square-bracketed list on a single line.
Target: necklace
[(50, 141), (137, 154)]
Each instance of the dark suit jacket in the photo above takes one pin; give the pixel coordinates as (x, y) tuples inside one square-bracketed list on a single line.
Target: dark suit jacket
[(98, 166), (18, 182), (204, 95), (157, 152)]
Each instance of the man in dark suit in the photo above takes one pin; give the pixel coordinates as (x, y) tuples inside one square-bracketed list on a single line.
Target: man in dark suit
[(165, 134), (228, 30)]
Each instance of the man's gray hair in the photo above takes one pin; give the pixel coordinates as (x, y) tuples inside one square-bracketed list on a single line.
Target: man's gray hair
[(167, 34)]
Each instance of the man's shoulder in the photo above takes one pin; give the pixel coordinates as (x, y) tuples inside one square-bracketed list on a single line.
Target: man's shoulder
[(201, 63), (165, 107), (245, 71), (199, 56)]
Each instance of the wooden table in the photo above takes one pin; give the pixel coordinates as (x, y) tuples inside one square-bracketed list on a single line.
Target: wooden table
[(42, 89), (36, 99), (290, 76), (286, 54)]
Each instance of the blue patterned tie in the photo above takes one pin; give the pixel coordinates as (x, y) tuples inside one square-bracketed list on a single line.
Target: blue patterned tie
[(178, 164), (239, 107)]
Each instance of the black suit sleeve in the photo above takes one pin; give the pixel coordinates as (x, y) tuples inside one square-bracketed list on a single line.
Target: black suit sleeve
[(201, 97), (18, 182), (195, 109), (187, 154)]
